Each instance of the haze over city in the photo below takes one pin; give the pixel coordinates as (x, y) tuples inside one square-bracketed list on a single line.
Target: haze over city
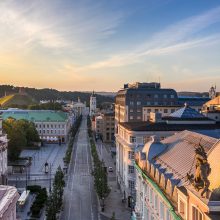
[(100, 45)]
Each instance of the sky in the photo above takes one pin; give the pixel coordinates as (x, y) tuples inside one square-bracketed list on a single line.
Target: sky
[(84, 45)]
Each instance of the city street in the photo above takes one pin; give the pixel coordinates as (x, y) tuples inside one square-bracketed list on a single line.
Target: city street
[(80, 200)]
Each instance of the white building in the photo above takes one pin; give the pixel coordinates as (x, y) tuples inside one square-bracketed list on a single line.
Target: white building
[(164, 188), (8, 199), (79, 108), (132, 135), (52, 126), (3, 156), (92, 104)]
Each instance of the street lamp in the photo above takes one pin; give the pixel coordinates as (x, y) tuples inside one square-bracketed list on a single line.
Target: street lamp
[(47, 169), (103, 204)]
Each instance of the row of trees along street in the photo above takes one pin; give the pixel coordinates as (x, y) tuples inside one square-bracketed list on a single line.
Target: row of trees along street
[(72, 133), (55, 199), (21, 134), (99, 170)]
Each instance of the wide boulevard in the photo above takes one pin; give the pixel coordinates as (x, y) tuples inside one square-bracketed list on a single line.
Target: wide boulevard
[(80, 201)]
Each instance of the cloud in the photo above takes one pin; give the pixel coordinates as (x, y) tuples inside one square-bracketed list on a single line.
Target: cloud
[(40, 23), (180, 36)]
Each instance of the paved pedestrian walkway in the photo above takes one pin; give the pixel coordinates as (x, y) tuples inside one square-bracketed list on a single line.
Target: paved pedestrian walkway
[(113, 203)]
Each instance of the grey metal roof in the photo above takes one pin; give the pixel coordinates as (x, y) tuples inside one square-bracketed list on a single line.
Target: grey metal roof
[(186, 113), (178, 158)]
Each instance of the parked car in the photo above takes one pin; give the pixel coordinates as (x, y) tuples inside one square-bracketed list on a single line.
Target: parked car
[(110, 169)]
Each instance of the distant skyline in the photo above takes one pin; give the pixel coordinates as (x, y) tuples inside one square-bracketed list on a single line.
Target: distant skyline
[(99, 45)]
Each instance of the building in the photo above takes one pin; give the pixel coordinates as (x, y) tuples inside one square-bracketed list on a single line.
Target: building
[(92, 109), (52, 126), (8, 199), (134, 98), (132, 135), (75, 109), (3, 156), (176, 178), (194, 102), (211, 109), (105, 126)]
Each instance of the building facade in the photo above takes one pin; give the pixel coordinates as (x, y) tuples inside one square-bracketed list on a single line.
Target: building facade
[(52, 126), (132, 135), (105, 126), (168, 178), (211, 109), (132, 98), (3, 156), (92, 109), (8, 200)]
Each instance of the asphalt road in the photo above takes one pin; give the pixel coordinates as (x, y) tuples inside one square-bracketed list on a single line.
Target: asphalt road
[(80, 201)]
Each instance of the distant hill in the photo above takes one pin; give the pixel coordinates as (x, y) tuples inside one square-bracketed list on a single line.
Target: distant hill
[(16, 100), (52, 94)]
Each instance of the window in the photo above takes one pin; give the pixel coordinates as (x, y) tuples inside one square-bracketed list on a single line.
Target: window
[(138, 103), (196, 214), (156, 202), (155, 103), (131, 184), (167, 215), (51, 126), (47, 126), (138, 110), (172, 96), (156, 110), (151, 195), (131, 103), (156, 96), (165, 96), (172, 110), (131, 117), (131, 155), (139, 117), (39, 126), (182, 208), (149, 110), (131, 110), (161, 211), (130, 169), (165, 110), (132, 139)]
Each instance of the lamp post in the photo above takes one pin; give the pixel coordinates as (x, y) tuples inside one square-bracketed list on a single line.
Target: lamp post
[(47, 169)]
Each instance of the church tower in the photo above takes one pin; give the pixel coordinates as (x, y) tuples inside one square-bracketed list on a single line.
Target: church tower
[(212, 92), (92, 109)]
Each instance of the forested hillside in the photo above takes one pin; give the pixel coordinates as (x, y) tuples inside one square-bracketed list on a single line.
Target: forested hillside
[(52, 94)]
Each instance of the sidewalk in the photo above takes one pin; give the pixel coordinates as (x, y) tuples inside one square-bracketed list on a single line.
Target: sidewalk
[(113, 203)]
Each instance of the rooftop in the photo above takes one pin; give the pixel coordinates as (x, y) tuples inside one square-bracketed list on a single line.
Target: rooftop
[(163, 126), (187, 113), (36, 115), (7, 195)]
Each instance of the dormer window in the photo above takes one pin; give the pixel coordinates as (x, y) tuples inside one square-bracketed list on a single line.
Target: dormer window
[(196, 214)]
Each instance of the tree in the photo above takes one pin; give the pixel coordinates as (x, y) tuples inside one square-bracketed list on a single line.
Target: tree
[(113, 216), (55, 199), (58, 187), (21, 133)]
